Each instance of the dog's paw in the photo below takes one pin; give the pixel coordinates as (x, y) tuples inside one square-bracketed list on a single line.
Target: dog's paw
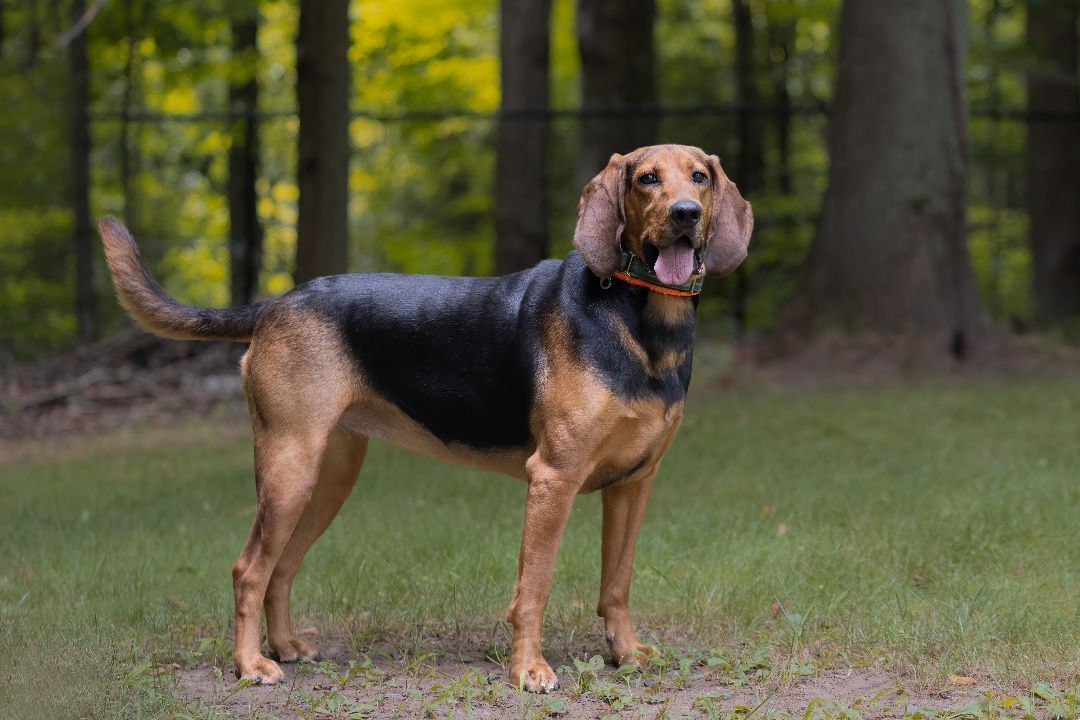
[(262, 670), (295, 650), (634, 655), (536, 676)]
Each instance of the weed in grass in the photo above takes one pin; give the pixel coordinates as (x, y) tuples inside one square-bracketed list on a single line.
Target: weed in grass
[(363, 668), (216, 650), (467, 693), (582, 676), (499, 654)]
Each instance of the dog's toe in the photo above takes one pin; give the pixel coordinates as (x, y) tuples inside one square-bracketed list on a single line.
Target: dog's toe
[(296, 650), (537, 677), (263, 671)]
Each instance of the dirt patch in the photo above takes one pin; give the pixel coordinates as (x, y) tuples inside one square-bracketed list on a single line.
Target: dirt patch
[(455, 679)]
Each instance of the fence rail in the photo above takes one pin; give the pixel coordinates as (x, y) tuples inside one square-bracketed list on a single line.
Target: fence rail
[(711, 110)]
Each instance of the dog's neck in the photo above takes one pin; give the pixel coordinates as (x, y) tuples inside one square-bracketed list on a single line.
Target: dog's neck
[(656, 329), (669, 313)]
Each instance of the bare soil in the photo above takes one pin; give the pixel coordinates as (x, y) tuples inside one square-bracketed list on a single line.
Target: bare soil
[(456, 679)]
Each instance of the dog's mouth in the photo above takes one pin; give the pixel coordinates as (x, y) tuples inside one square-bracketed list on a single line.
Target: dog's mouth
[(675, 263)]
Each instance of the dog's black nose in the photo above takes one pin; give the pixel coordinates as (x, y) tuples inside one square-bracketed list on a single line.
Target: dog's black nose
[(685, 212)]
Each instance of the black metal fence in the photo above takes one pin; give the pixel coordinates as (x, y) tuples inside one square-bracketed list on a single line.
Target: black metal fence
[(787, 200)]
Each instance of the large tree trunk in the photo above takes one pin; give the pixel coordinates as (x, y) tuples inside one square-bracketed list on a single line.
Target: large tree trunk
[(891, 252), (322, 90), (1054, 158), (521, 228), (615, 39), (78, 65), (245, 233)]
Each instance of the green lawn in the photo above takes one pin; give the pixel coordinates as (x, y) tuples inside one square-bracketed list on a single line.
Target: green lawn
[(930, 529)]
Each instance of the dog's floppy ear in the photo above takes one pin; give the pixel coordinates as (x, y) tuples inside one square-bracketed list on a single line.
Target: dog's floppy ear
[(730, 224), (601, 219)]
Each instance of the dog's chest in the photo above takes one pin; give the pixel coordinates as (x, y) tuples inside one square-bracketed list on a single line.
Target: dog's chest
[(633, 444)]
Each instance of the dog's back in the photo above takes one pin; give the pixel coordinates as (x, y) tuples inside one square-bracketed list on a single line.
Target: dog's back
[(458, 355)]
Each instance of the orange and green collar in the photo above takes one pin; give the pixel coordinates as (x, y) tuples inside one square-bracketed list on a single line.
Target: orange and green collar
[(634, 271)]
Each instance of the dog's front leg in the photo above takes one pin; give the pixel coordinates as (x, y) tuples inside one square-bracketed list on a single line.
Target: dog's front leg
[(547, 506), (624, 509)]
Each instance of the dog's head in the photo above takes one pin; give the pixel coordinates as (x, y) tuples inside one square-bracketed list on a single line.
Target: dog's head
[(672, 206)]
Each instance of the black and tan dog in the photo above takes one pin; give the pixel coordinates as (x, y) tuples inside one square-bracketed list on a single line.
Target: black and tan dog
[(570, 376)]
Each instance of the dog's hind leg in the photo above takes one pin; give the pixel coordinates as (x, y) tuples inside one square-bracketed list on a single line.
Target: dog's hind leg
[(286, 471), (342, 458), (624, 509)]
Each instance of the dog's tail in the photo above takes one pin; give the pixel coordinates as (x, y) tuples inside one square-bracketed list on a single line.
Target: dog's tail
[(154, 309)]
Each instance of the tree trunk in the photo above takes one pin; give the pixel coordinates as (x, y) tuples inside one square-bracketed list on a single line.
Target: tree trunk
[(751, 143), (83, 238), (521, 228), (615, 39), (323, 89), (129, 156), (891, 252), (751, 163), (245, 233), (1054, 158), (782, 41), (33, 32)]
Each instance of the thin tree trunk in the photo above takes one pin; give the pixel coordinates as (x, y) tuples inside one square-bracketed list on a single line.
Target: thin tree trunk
[(129, 156), (751, 145), (521, 228), (751, 163), (782, 40), (891, 253), (85, 311), (992, 170), (618, 81), (323, 90), (33, 32), (1054, 158), (245, 232)]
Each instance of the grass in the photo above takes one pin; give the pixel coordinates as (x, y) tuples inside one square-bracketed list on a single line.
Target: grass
[(931, 529)]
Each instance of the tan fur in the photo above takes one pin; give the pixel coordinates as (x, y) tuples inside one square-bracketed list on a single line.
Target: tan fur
[(647, 206), (668, 310), (299, 382), (153, 308), (654, 367), (585, 434)]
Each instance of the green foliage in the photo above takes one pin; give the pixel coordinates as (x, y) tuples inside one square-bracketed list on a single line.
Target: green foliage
[(36, 292), (421, 187)]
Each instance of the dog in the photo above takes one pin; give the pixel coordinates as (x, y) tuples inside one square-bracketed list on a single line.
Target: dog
[(571, 376)]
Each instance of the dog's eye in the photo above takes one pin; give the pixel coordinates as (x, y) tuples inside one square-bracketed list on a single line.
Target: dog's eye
[(649, 179), (699, 177)]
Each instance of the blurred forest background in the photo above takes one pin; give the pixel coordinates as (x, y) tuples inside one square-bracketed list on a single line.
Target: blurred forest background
[(251, 144)]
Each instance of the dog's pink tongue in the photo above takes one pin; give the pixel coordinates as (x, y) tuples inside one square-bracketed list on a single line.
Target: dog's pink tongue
[(675, 264)]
